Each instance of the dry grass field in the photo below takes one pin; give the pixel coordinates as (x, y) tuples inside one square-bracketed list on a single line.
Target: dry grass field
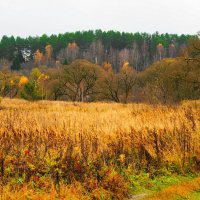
[(61, 150)]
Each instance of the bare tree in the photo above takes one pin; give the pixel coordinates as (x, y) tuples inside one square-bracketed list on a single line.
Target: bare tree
[(97, 52), (110, 88), (113, 58), (144, 54), (70, 53), (124, 56), (134, 56), (172, 50)]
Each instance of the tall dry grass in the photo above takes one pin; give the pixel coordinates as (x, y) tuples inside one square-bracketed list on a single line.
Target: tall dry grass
[(56, 144)]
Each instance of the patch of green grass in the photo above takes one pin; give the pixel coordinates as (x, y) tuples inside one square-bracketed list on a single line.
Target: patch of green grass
[(143, 183), (162, 182)]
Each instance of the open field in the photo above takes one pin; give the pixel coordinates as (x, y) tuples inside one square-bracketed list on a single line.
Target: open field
[(62, 150)]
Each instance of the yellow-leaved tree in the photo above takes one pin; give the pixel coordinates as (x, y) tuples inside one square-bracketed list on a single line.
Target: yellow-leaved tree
[(35, 74), (42, 80)]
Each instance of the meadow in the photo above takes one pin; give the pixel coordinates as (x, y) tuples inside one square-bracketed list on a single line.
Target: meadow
[(63, 150)]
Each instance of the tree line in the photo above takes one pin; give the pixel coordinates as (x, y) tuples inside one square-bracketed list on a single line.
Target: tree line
[(165, 81), (139, 49)]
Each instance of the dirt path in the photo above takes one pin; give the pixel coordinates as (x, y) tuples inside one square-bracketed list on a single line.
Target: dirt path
[(138, 197)]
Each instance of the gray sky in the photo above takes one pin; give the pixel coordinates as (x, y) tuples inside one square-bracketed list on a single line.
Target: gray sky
[(35, 17)]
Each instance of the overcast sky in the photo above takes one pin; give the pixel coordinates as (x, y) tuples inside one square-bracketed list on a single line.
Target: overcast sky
[(35, 17)]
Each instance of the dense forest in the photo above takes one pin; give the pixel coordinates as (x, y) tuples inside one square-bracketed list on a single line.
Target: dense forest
[(101, 66), (139, 49)]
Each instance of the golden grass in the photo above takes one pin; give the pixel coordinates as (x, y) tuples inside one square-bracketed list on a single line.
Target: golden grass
[(103, 121), (89, 142)]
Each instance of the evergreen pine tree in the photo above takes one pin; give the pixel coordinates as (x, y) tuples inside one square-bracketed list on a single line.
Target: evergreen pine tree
[(16, 65)]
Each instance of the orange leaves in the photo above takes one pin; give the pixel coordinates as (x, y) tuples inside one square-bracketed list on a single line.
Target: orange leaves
[(23, 80), (125, 65), (38, 56), (107, 67), (26, 152), (126, 68), (48, 51), (72, 45)]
